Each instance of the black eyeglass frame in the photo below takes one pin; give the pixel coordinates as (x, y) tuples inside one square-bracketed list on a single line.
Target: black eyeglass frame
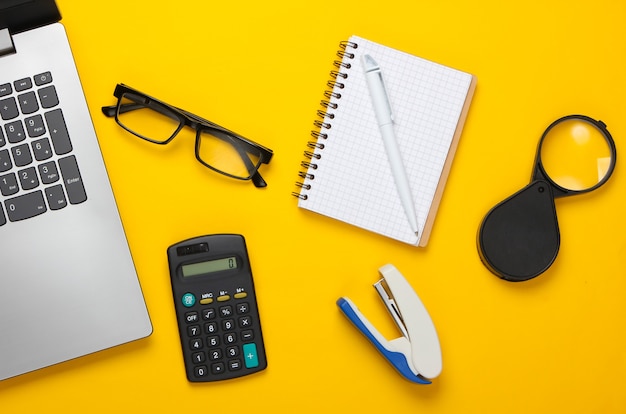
[(195, 122)]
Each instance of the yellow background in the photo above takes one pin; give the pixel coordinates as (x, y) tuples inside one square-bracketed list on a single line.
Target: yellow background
[(553, 344)]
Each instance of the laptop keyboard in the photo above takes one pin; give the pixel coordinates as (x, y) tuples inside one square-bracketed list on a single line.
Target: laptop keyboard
[(38, 172)]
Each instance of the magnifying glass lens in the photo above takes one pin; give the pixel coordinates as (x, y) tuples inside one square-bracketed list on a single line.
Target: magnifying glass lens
[(575, 154)]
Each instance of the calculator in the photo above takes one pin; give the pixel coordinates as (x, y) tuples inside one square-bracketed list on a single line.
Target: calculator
[(216, 308)]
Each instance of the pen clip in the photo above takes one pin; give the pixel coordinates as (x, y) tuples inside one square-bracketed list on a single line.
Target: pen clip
[(387, 101)]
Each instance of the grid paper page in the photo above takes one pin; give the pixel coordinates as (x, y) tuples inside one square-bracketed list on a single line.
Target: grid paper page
[(353, 181)]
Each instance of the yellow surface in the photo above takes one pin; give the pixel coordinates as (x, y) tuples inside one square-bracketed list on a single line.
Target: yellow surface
[(553, 344)]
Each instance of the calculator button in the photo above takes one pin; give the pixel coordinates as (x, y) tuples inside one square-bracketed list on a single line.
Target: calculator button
[(232, 351), (188, 300), (213, 340), (198, 357), (234, 364), (208, 314), (191, 317), (245, 322), (228, 324), (211, 327), (230, 338), (247, 335), (217, 368), (215, 354), (201, 371), (193, 330), (250, 355), (223, 298), (243, 308), (206, 301), (226, 311), (195, 343), (241, 295)]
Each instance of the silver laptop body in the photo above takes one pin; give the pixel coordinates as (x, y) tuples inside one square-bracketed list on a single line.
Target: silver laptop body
[(68, 285)]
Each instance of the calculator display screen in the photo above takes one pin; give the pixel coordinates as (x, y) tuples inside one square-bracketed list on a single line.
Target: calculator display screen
[(209, 266)]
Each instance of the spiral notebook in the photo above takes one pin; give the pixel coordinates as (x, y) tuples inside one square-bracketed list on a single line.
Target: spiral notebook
[(346, 173)]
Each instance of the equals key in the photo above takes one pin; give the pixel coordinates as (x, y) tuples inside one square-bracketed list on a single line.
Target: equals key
[(72, 180)]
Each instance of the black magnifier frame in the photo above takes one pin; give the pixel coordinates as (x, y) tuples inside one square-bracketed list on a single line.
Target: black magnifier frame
[(519, 238), (540, 173)]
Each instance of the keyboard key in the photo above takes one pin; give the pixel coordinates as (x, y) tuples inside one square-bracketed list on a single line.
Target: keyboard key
[(56, 197), (5, 89), (22, 84), (48, 172), (8, 184), (28, 178), (5, 160), (43, 78), (35, 126), (42, 149), (73, 181), (28, 103), (8, 108), (25, 206), (21, 155), (58, 132), (3, 219), (3, 141), (48, 97), (15, 131)]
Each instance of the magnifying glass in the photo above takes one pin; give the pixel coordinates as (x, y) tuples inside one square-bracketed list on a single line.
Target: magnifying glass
[(519, 238)]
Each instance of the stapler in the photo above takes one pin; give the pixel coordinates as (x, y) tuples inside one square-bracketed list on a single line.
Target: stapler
[(416, 354)]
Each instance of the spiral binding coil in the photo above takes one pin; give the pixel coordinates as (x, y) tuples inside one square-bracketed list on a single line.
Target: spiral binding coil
[(334, 85)]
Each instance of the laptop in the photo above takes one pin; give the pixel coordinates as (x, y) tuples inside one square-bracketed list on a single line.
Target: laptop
[(68, 285)]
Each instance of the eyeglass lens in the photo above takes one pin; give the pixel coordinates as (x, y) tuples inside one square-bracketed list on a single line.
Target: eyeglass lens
[(224, 153), (150, 121)]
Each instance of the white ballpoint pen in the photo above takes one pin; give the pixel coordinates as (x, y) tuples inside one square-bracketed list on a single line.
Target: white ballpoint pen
[(384, 116)]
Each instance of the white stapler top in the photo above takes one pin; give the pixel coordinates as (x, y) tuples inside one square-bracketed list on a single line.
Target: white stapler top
[(416, 354)]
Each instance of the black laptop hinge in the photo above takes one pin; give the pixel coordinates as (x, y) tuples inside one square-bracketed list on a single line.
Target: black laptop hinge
[(6, 43)]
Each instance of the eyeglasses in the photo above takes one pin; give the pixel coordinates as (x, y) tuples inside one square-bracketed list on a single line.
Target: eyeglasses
[(217, 148)]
